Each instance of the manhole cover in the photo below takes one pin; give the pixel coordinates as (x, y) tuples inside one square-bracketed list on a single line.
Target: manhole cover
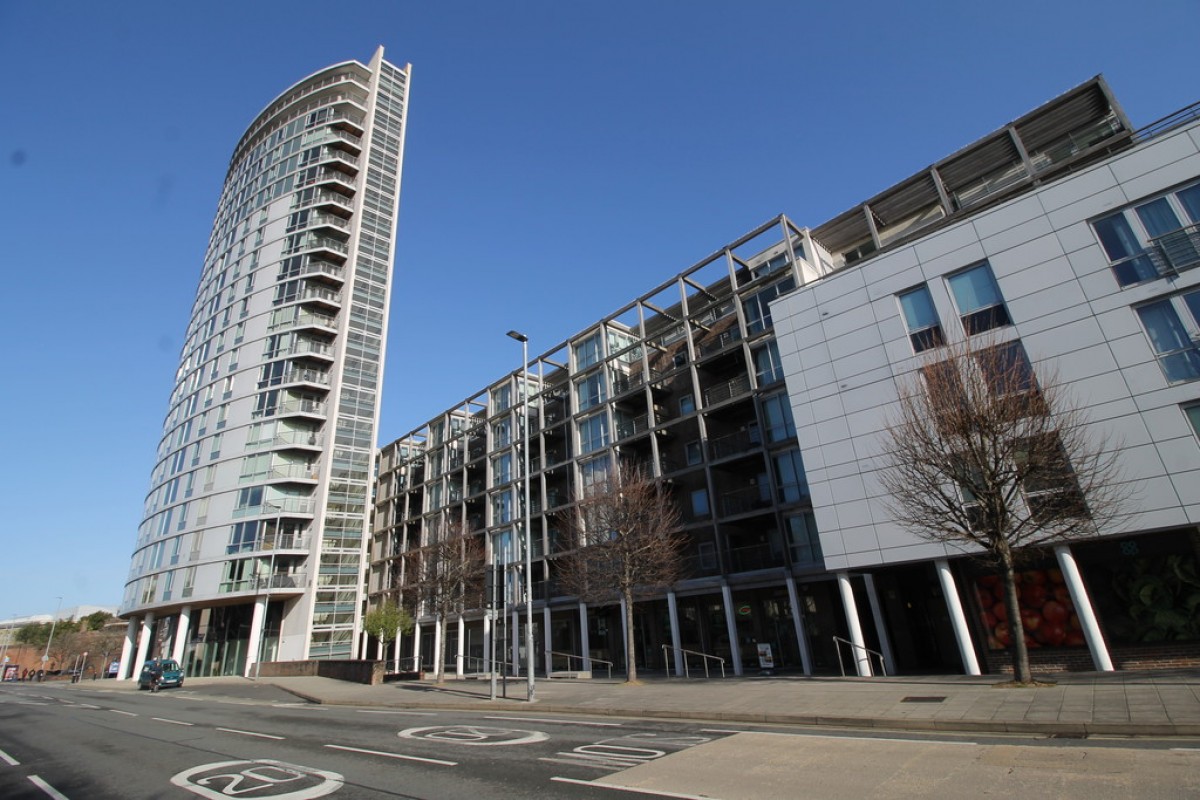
[(918, 699)]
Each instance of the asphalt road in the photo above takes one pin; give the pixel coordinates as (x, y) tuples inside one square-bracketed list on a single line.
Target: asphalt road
[(86, 742)]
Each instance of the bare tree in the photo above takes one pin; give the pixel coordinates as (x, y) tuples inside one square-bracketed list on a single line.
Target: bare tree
[(983, 455), (444, 578), (626, 533)]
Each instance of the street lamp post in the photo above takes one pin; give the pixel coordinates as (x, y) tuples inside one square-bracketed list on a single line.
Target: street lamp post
[(53, 622), (524, 340)]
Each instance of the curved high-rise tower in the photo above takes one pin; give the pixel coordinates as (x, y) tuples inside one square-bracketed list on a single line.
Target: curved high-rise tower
[(252, 542)]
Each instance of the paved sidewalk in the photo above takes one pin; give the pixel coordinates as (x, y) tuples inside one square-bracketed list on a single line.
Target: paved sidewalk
[(1152, 703)]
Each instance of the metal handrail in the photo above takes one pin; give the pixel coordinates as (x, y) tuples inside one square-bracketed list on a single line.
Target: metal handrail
[(686, 653), (837, 644), (582, 659)]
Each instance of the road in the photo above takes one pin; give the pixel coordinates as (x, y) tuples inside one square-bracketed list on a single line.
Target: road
[(83, 742)]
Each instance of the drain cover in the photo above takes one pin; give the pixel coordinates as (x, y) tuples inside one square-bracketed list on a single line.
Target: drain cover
[(918, 699)]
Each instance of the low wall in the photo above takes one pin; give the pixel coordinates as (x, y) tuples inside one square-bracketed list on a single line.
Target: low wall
[(355, 671)]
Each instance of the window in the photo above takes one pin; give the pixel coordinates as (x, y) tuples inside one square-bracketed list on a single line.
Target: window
[(1173, 326), (502, 508), (593, 432), (591, 391), (921, 319), (501, 398), (757, 306), (767, 366), (789, 474), (980, 304), (778, 413), (501, 469), (242, 536), (803, 540), (595, 471), (1048, 481), (1157, 237), (587, 352), (700, 503), (1006, 370), (694, 453), (687, 403), (502, 433), (1193, 416)]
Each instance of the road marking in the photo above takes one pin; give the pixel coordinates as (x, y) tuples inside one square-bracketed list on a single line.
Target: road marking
[(561, 721), (251, 733), (7, 759), (88, 705), (394, 755), (308, 706), (261, 777), (126, 713), (474, 735), (405, 713), (47, 788), (721, 730), (172, 721), (638, 790), (29, 703), (1187, 749)]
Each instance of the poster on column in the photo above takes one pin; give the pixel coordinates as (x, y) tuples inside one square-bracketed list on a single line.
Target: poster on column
[(113, 668)]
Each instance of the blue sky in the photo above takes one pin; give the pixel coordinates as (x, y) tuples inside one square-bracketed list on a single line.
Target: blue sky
[(591, 150)]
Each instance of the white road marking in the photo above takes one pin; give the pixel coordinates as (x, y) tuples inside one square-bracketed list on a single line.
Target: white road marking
[(47, 788), (1187, 749), (561, 721), (474, 735), (251, 733), (308, 706), (263, 777), (393, 755), (171, 721), (7, 759), (720, 730), (88, 705), (29, 703), (126, 713), (405, 713), (638, 790)]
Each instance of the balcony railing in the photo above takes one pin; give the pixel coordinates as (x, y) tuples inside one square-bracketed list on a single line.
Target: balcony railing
[(754, 557), (721, 341), (742, 441), (1177, 251), (727, 390), (293, 472), (297, 580), (632, 426), (743, 501)]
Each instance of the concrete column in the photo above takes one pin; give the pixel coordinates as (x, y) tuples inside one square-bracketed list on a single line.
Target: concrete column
[(798, 623), (487, 638), (143, 644), (585, 637), (676, 641), (1083, 608), (256, 629), (182, 632), (416, 646), (735, 648), (885, 642), (127, 649), (860, 656), (958, 619), (461, 656), (548, 641)]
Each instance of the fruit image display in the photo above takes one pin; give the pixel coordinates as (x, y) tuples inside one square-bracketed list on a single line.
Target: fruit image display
[(1047, 612)]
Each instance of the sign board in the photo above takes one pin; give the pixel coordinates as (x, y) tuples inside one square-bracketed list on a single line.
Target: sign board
[(766, 659), (114, 667), (10, 672)]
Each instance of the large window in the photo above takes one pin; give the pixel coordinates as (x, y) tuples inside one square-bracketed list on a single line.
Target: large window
[(1006, 369), (768, 368), (593, 432), (803, 540), (980, 304), (1173, 326), (501, 469), (921, 319), (789, 474), (591, 391), (778, 413), (587, 352), (758, 308), (1153, 238)]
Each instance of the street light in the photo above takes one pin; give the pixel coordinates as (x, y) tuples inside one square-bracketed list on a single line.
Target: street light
[(524, 340), (53, 622)]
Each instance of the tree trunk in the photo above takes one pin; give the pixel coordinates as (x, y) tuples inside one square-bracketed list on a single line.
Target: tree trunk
[(630, 658), (439, 668), (1016, 628)]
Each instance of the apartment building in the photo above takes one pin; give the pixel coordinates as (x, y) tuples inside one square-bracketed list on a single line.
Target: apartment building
[(254, 536), (756, 383)]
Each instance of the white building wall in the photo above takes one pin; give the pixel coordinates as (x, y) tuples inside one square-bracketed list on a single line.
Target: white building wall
[(844, 348)]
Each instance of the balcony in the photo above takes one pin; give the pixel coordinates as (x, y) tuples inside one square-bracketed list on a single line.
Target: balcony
[(311, 348), (319, 246), (296, 581), (753, 557), (319, 219), (622, 383), (721, 342), (273, 543), (332, 201), (345, 139), (339, 159), (744, 501), (632, 426), (736, 443), (727, 390), (300, 407), (293, 472)]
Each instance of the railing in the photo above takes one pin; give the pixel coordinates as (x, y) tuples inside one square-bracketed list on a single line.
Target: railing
[(1176, 251), (633, 426), (282, 581), (735, 443), (667, 649), (724, 391), (722, 341), (744, 501), (754, 557), (838, 641), (582, 660)]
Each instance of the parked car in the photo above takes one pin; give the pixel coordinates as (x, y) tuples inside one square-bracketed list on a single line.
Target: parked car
[(167, 669)]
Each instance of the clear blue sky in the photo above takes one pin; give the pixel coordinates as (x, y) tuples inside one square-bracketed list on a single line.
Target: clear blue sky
[(562, 158)]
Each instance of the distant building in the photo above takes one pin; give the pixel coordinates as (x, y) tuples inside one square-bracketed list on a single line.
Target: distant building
[(255, 526), (755, 383)]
